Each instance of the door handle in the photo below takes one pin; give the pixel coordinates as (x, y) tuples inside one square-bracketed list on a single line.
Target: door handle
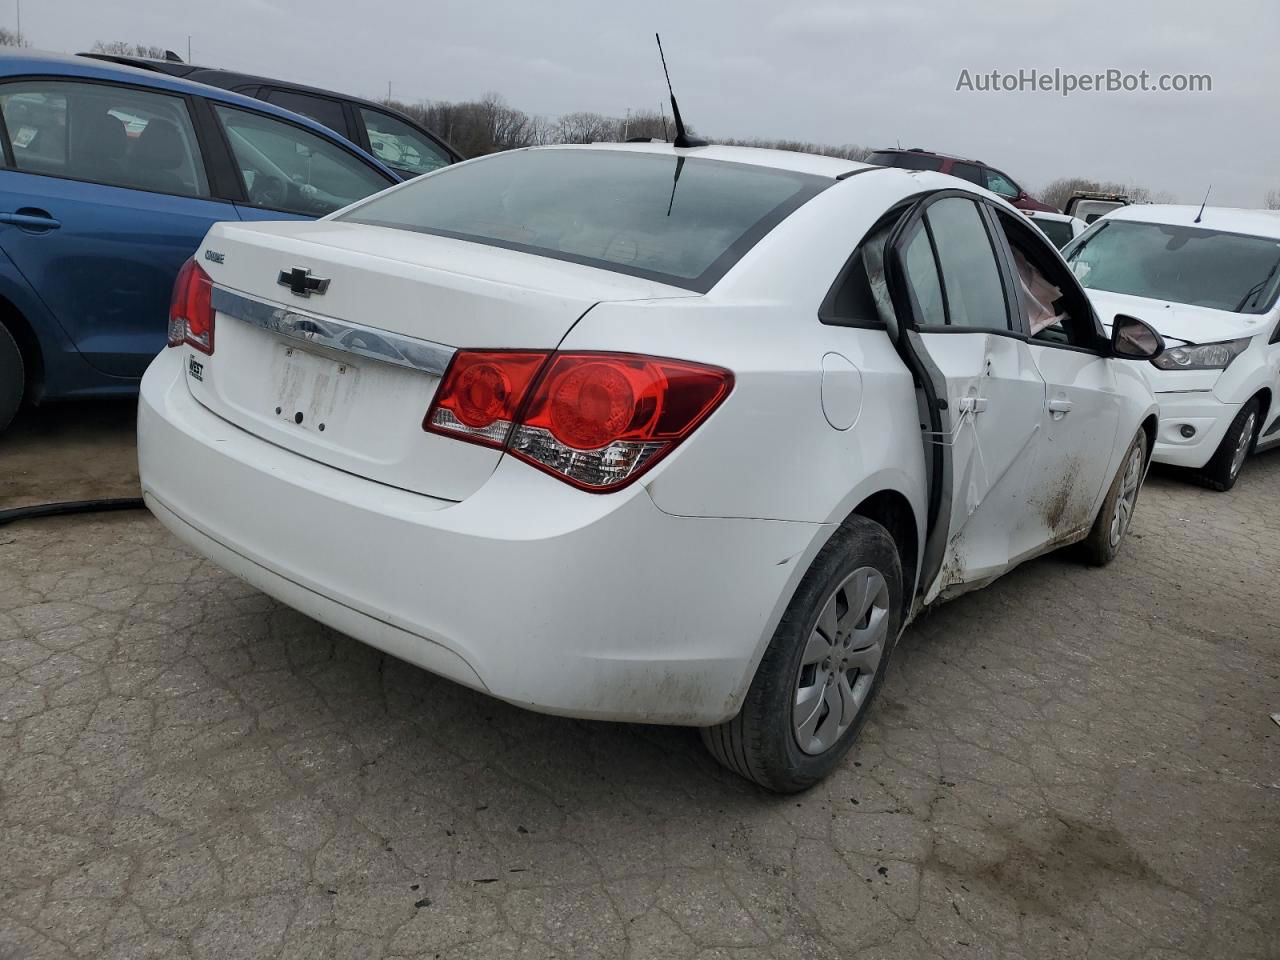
[(973, 405), (29, 218), (1059, 407)]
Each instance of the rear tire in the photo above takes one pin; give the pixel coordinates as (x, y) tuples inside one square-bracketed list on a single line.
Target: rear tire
[(12, 377), (1223, 469), (1116, 513), (822, 669)]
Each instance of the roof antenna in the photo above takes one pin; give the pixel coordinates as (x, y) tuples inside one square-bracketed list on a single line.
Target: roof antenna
[(1206, 200), (675, 181), (682, 136)]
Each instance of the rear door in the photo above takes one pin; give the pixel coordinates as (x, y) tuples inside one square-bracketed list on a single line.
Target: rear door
[(966, 171), (985, 395), (326, 110), (104, 194)]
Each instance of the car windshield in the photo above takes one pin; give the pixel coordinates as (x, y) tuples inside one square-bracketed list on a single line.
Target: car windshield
[(1182, 264), (681, 221)]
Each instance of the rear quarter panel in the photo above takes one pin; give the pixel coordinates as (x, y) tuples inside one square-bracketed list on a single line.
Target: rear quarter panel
[(769, 451)]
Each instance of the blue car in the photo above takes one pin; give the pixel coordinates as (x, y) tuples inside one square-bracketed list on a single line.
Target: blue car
[(111, 177)]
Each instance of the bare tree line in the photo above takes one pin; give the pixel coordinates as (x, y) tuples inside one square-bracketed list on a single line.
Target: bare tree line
[(490, 124), (121, 48), (487, 125)]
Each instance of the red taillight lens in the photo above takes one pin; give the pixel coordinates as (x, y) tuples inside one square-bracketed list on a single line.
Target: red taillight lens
[(481, 393), (595, 420), (191, 308), (600, 420), (589, 404)]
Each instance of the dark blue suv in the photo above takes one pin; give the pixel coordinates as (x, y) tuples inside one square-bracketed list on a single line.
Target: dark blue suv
[(111, 176)]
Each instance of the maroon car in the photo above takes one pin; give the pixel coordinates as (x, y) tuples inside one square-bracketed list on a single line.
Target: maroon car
[(975, 171)]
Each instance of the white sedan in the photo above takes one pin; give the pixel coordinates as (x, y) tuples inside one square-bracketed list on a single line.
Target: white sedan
[(1058, 227), (1209, 281), (641, 433)]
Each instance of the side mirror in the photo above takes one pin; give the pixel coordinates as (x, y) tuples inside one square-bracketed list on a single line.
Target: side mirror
[(1133, 339)]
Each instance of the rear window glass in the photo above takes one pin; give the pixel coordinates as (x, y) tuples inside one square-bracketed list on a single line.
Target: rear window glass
[(682, 221), (906, 160), (1059, 231)]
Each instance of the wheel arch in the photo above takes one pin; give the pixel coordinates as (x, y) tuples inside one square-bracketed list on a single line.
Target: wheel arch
[(893, 511), (1264, 398), (1150, 425), (16, 322)]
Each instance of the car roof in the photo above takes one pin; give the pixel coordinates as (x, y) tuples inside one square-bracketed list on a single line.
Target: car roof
[(1258, 223), (810, 163), (40, 63), (175, 68)]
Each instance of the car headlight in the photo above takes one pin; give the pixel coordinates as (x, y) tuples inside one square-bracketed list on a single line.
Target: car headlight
[(1202, 356)]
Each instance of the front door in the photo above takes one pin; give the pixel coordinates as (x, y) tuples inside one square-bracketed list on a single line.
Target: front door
[(102, 198), (1081, 419), (980, 380), (288, 171)]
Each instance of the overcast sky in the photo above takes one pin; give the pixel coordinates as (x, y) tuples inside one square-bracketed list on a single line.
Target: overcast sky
[(866, 73)]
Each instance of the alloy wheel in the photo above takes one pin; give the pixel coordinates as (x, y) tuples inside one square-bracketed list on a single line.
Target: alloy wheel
[(1243, 444), (1128, 496)]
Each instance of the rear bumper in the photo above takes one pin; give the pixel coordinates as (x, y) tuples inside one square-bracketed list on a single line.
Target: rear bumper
[(558, 600), (1202, 412)]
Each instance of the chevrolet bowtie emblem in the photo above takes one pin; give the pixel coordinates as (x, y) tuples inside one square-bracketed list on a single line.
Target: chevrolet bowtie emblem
[(301, 283)]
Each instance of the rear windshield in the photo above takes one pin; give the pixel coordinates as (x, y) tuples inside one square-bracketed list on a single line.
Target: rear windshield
[(1206, 268), (682, 221)]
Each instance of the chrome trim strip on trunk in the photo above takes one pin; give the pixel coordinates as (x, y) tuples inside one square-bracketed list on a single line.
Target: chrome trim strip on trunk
[(381, 345)]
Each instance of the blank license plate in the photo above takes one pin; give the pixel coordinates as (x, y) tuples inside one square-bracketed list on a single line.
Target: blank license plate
[(311, 390)]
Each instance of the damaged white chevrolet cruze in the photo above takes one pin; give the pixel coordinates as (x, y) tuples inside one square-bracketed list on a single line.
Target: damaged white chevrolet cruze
[(642, 433)]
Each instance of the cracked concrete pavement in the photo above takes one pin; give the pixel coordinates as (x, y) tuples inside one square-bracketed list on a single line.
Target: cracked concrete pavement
[(1072, 763)]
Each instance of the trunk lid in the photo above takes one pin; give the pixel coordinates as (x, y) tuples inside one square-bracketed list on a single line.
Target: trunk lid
[(345, 375)]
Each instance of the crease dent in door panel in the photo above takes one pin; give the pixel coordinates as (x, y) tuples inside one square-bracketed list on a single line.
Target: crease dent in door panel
[(961, 553)]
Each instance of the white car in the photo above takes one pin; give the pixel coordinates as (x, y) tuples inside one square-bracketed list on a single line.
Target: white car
[(637, 433), (1209, 283), (1058, 227)]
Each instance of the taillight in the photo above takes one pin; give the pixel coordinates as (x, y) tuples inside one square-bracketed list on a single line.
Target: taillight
[(595, 420), (480, 395), (191, 308)]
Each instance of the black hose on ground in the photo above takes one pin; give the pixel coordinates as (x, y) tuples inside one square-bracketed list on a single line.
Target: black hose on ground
[(69, 507)]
